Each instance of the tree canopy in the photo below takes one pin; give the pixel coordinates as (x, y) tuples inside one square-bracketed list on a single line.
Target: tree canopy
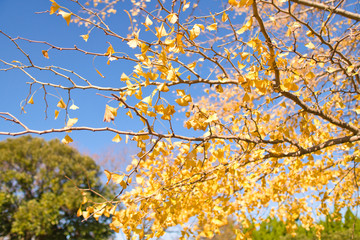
[(266, 93), (36, 198)]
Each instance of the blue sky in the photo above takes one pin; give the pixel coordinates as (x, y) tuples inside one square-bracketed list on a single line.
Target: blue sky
[(21, 19)]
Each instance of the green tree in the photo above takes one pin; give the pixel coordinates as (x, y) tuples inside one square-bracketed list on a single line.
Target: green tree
[(37, 200)]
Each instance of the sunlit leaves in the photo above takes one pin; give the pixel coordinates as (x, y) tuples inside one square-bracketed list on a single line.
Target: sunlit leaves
[(67, 139), (172, 18), (66, 16), (133, 43), (195, 31), (74, 107), (110, 113), (31, 100), (124, 77), (310, 45), (61, 104), (116, 178), (56, 114), (224, 17), (45, 54), (71, 122), (98, 72), (148, 21), (161, 32), (85, 37), (117, 138), (54, 7), (110, 50), (212, 27), (246, 27)]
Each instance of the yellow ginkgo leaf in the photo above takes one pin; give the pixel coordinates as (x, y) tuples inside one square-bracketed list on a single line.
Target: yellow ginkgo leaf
[(99, 73), (45, 54), (163, 87), (172, 18), (54, 7), (133, 43), (310, 45), (110, 113), (79, 212), (85, 37), (309, 34), (161, 32), (109, 51), (74, 107), (195, 31), (56, 114), (186, 6), (108, 176), (117, 178), (117, 138), (124, 77), (61, 104), (147, 100), (224, 17), (212, 27), (71, 122), (123, 184), (66, 16), (130, 115), (31, 100), (66, 139), (148, 21)]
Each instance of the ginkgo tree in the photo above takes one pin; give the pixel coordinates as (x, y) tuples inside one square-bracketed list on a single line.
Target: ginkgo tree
[(272, 132)]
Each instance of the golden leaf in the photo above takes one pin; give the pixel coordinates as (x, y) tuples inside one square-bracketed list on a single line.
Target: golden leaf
[(31, 100), (224, 17), (117, 138), (85, 37), (130, 115), (117, 178), (66, 139), (61, 104), (99, 73), (109, 51), (163, 87), (71, 122), (212, 27), (110, 113), (45, 54), (54, 7), (148, 21), (310, 45), (172, 18), (108, 176), (79, 212), (124, 77), (133, 43), (56, 114), (74, 107), (66, 16)]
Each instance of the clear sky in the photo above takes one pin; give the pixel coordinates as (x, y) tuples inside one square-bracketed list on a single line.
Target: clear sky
[(24, 18), (21, 18)]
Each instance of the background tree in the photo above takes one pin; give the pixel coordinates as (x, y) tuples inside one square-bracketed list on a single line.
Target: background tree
[(276, 131), (37, 200)]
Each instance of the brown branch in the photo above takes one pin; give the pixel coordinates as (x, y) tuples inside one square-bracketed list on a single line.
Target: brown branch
[(331, 9)]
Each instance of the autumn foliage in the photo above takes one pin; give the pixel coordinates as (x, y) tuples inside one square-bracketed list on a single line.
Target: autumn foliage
[(268, 92)]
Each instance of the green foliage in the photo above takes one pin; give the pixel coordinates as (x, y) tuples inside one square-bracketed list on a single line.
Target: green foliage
[(274, 229), (36, 199)]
